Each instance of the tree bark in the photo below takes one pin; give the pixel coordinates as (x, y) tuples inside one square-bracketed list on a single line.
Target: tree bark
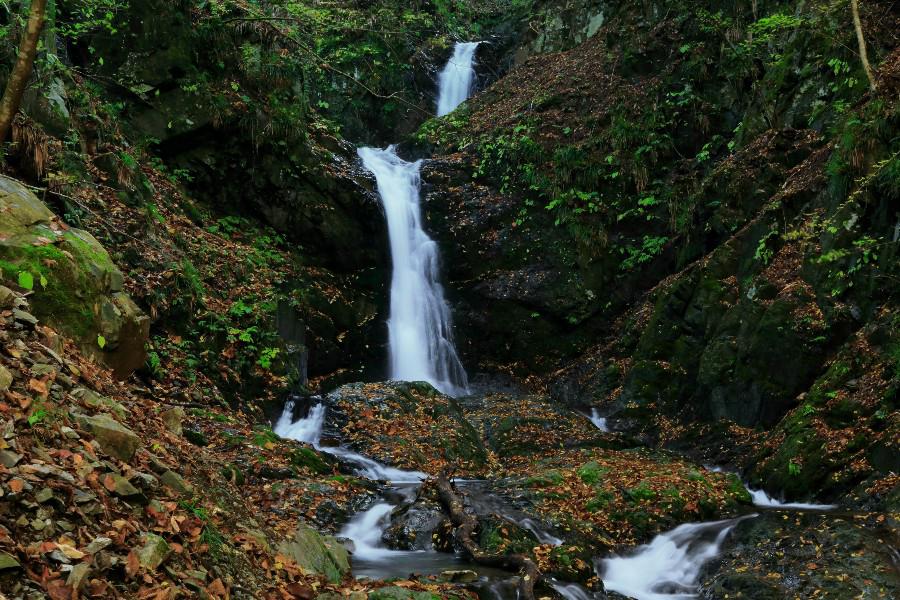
[(21, 73), (465, 527), (861, 40)]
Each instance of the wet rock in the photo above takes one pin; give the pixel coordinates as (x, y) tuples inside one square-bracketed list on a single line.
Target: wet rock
[(114, 438), (329, 512), (154, 552), (313, 552), (464, 576), (413, 528)]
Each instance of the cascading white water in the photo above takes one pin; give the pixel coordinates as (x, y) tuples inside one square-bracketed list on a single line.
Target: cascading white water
[(365, 529), (309, 431), (419, 327), (668, 567), (763, 500), (598, 421), (455, 82)]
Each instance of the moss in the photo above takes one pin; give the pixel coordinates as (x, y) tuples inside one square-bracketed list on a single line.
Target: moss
[(310, 459), (600, 501), (591, 473), (545, 479), (641, 493)]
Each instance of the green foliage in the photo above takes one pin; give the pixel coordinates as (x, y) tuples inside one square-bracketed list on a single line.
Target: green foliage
[(26, 280), (591, 473)]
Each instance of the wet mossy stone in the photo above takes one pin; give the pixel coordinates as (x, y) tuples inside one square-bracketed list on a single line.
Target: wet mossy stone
[(319, 554), (76, 287)]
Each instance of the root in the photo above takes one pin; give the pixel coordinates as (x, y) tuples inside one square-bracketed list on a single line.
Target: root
[(466, 524)]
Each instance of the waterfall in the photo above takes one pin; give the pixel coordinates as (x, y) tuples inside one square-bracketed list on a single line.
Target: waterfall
[(455, 82), (420, 333), (419, 327)]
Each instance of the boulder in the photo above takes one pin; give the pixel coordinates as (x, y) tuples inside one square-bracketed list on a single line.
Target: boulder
[(313, 552), (76, 287), (172, 419), (114, 438)]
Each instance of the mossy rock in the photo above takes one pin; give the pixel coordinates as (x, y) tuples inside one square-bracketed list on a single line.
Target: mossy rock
[(77, 288), (306, 457), (319, 554), (399, 593)]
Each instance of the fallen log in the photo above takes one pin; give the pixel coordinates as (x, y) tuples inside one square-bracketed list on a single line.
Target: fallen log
[(466, 524)]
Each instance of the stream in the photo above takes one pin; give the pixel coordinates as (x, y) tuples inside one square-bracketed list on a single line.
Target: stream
[(422, 349)]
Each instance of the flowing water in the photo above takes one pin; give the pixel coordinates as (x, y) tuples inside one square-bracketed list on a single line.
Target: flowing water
[(420, 332), (421, 349), (763, 500), (419, 327), (370, 557), (456, 80), (598, 421), (669, 566)]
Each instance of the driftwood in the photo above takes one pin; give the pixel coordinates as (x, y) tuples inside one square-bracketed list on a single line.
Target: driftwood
[(466, 524)]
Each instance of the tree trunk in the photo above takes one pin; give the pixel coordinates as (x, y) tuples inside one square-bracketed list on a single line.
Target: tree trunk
[(863, 53), (21, 73), (465, 528)]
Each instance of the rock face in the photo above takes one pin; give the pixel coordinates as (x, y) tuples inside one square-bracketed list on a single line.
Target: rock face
[(77, 288), (323, 555)]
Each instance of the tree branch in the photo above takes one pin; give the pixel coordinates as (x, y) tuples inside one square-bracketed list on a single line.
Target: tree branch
[(861, 40)]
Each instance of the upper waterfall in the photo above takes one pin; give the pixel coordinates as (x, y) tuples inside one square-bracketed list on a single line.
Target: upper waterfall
[(419, 328), (455, 83)]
